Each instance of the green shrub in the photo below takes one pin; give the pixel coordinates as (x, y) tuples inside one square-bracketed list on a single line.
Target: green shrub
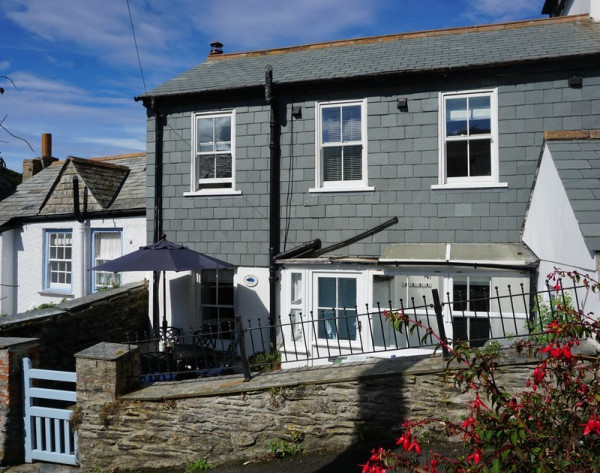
[(262, 361), (198, 465)]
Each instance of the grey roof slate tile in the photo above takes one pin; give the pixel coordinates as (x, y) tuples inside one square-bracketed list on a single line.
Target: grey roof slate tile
[(395, 54), (33, 193)]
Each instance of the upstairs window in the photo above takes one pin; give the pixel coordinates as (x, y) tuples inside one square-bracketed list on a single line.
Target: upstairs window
[(342, 145), (59, 245), (469, 144), (213, 165)]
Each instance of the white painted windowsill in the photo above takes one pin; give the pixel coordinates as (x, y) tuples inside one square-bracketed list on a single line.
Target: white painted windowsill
[(329, 190), (213, 193), (470, 186)]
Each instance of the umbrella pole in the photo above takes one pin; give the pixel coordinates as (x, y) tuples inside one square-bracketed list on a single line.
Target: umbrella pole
[(155, 300), (164, 302)]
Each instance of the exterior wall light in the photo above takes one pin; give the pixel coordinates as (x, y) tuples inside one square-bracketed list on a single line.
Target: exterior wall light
[(402, 104)]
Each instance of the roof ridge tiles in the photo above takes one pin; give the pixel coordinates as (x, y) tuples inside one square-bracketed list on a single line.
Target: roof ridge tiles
[(400, 36), (566, 135)]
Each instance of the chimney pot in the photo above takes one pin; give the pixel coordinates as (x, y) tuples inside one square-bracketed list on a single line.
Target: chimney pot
[(46, 145), (216, 48)]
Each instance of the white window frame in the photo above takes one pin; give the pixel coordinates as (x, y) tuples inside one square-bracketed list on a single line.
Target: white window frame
[(195, 183), (340, 186), (360, 318), (461, 182), (116, 277), (48, 261)]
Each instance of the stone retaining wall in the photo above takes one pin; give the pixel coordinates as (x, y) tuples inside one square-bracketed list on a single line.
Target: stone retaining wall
[(169, 424), (75, 325)]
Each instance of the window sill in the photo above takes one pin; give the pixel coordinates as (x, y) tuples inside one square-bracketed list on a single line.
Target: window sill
[(56, 293), (470, 185), (213, 193), (329, 190)]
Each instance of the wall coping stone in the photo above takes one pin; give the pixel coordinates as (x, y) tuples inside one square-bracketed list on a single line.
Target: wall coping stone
[(106, 351), (80, 303), (8, 342), (421, 365), (83, 302)]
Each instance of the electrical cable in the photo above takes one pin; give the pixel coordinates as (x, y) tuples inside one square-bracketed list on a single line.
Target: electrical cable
[(136, 47)]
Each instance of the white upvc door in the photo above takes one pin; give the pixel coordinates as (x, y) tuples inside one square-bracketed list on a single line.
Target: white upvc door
[(337, 322)]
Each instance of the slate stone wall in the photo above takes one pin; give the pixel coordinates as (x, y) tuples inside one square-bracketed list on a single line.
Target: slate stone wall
[(75, 325), (403, 165), (164, 426)]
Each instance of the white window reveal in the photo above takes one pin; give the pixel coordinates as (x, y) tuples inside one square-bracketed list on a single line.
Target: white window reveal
[(106, 246), (59, 245), (341, 146), (469, 139), (296, 306), (213, 158)]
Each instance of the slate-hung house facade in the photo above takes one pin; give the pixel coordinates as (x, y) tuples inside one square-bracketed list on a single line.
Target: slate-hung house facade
[(441, 129), (65, 219)]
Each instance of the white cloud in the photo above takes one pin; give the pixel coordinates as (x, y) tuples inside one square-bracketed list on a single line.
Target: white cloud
[(4, 65)]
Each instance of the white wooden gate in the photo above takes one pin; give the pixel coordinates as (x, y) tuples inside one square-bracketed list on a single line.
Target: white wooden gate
[(48, 433)]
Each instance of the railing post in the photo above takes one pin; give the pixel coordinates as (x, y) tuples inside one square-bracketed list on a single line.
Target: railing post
[(244, 357), (437, 306)]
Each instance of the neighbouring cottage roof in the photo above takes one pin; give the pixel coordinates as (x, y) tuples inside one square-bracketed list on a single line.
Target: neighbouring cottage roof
[(114, 183), (424, 52), (576, 155)]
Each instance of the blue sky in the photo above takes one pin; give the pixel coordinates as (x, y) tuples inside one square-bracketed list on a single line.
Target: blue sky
[(75, 68)]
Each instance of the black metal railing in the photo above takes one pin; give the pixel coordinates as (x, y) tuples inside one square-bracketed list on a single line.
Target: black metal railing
[(338, 335)]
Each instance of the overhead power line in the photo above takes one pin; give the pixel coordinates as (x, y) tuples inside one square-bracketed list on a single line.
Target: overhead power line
[(136, 46)]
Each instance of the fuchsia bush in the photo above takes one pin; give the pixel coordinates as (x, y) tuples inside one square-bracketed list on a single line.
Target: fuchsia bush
[(551, 425)]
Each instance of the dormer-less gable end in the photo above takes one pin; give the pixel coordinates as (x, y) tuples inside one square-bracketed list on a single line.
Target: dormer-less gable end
[(103, 181)]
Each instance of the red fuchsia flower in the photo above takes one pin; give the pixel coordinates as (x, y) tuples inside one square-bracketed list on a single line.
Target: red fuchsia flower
[(557, 286), (593, 425), (539, 373), (478, 403), (475, 457), (404, 440), (468, 422), (553, 327), (376, 463), (416, 447)]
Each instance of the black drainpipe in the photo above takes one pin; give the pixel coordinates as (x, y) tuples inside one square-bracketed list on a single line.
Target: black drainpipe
[(76, 211), (274, 211), (158, 202)]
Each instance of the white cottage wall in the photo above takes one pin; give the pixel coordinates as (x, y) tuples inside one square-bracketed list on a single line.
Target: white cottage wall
[(29, 248), (552, 231)]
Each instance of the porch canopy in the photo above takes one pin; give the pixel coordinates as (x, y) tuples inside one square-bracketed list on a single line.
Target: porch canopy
[(162, 256), (460, 254)]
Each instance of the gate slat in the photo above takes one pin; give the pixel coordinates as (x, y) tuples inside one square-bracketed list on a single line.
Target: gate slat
[(47, 434), (53, 394)]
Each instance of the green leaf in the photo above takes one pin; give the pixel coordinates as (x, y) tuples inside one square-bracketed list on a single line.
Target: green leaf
[(496, 466)]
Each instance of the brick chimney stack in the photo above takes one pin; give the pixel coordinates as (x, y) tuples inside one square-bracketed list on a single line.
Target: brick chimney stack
[(32, 166)]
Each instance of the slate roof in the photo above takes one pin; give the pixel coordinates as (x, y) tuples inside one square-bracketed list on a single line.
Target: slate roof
[(577, 160), (115, 183), (429, 51)]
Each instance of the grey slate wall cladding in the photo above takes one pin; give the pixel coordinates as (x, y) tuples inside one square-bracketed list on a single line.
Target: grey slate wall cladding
[(403, 165)]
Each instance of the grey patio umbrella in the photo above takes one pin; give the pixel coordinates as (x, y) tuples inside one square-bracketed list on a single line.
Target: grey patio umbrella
[(162, 256)]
